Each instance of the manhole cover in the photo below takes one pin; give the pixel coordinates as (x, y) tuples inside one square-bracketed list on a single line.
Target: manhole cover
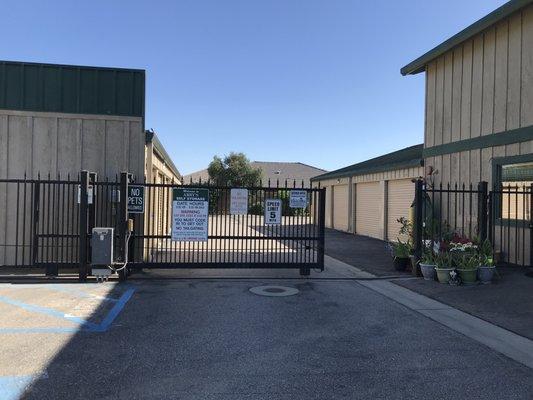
[(274, 291)]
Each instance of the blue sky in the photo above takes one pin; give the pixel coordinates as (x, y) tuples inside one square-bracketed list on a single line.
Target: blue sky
[(315, 81)]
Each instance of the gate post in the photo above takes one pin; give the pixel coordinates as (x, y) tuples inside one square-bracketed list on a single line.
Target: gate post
[(418, 227), (482, 215), (83, 210), (92, 217), (122, 221), (35, 219), (321, 227), (530, 226)]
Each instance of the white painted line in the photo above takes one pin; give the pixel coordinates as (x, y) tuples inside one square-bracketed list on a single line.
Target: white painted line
[(501, 340)]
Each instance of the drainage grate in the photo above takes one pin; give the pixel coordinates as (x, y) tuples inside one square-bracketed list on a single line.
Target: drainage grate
[(274, 291)]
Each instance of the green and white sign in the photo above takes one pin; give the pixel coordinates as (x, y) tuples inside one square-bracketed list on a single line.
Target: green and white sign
[(190, 214)]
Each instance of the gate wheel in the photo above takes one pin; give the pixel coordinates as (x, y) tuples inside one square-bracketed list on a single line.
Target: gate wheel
[(305, 271)]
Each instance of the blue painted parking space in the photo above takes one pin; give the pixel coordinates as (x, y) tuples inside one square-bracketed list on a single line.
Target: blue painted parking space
[(51, 301)]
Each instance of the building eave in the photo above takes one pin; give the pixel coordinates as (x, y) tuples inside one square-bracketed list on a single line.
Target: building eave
[(161, 152), (509, 8), (409, 157)]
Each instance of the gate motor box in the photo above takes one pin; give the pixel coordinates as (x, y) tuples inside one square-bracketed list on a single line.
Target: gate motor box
[(102, 251)]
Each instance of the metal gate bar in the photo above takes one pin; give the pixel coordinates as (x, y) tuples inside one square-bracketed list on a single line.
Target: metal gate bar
[(234, 241)]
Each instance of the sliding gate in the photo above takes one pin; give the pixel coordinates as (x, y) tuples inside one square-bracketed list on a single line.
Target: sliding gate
[(46, 223), (234, 238)]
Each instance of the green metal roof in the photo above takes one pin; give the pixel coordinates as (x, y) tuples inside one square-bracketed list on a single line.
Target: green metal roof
[(405, 158), (500, 13), (71, 89)]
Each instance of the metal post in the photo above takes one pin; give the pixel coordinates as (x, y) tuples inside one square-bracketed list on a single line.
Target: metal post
[(122, 221), (84, 189), (491, 215), (92, 216), (531, 226), (321, 227), (482, 210), (418, 228), (36, 199)]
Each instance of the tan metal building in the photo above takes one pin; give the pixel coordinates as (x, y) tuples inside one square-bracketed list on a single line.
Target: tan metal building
[(479, 109), (367, 198)]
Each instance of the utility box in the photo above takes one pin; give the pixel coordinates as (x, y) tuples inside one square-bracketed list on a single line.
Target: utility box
[(102, 246)]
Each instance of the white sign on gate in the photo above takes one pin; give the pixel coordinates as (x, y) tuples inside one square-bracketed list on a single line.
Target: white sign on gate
[(298, 199), (272, 212), (90, 194), (238, 202), (190, 214)]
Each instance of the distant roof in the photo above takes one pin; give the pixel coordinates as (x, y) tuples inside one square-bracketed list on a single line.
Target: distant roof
[(500, 13), (160, 150), (273, 171), (405, 158)]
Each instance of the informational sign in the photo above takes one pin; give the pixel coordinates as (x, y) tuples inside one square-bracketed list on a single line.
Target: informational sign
[(238, 202), (272, 212), (135, 199), (190, 213), (298, 199)]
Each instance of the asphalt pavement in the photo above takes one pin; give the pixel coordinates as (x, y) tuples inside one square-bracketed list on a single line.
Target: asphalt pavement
[(214, 339)]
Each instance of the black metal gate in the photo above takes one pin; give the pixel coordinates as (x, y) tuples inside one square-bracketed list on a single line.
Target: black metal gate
[(233, 241), (47, 223), (503, 215)]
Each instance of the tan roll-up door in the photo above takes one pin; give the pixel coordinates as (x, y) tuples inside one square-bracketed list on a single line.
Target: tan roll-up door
[(340, 207), (401, 194), (368, 209)]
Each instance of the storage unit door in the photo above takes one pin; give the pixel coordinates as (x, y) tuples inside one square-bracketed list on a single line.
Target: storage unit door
[(368, 213), (340, 207), (401, 194)]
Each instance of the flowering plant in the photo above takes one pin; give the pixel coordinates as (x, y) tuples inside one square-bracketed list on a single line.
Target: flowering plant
[(462, 246)]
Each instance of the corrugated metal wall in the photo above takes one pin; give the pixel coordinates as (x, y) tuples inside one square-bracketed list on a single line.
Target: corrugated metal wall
[(71, 89)]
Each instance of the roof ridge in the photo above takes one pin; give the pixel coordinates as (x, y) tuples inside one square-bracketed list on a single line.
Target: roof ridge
[(388, 160)]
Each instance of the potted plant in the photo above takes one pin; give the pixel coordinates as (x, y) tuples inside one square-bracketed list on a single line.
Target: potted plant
[(467, 268), (444, 267), (406, 230), (400, 255), (486, 265), (428, 262)]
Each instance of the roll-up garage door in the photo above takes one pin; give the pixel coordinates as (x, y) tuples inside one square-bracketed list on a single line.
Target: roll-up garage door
[(368, 209), (401, 194), (340, 207)]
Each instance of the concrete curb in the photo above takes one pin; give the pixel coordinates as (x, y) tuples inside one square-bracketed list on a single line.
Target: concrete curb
[(501, 340)]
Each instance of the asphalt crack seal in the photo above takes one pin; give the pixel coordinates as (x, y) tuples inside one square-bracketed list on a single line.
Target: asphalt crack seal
[(274, 291)]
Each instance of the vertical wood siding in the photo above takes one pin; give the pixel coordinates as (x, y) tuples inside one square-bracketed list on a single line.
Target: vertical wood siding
[(483, 86), (67, 143)]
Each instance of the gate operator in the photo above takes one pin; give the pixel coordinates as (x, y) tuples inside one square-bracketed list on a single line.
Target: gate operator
[(102, 252)]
